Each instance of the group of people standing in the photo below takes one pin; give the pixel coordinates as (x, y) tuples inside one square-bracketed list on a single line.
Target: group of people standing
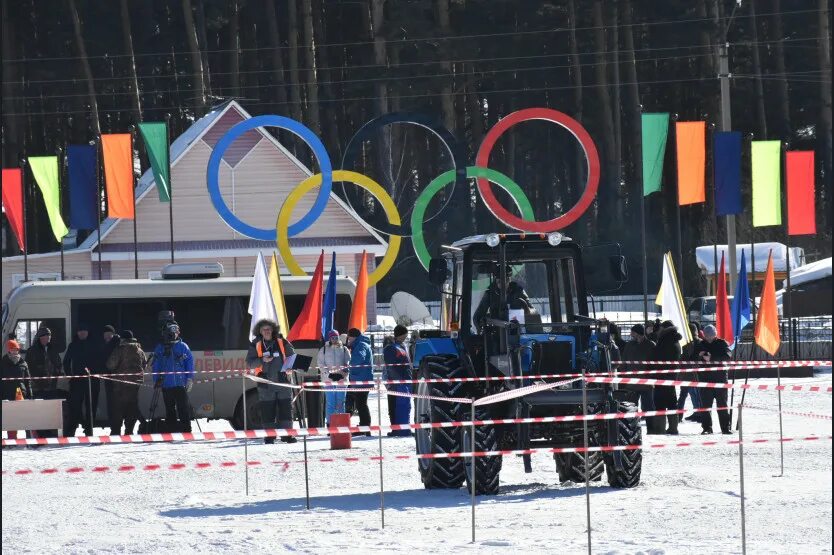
[(661, 341), (36, 376)]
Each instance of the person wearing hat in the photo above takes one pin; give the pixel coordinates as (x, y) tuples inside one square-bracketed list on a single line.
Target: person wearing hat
[(13, 367), (267, 354), (711, 350), (173, 371), (45, 363), (639, 349), (332, 360), (127, 358), (79, 360), (361, 369), (398, 367), (110, 343), (668, 348)]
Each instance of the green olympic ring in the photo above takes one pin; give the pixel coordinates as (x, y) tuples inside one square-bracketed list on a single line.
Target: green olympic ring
[(444, 179)]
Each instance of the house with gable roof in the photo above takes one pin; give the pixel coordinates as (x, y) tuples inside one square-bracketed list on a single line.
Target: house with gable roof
[(256, 175)]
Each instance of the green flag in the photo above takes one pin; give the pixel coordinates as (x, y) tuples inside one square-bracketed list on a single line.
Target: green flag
[(655, 130), (767, 181), (45, 170), (155, 134)]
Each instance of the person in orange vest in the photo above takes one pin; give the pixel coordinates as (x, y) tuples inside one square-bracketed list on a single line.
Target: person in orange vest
[(267, 353), (13, 366)]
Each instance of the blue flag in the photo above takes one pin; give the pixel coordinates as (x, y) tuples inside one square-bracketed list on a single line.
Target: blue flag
[(740, 310), (83, 188), (727, 172), (328, 313)]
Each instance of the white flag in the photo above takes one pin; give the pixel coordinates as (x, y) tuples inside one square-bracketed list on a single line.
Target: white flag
[(672, 300), (260, 298)]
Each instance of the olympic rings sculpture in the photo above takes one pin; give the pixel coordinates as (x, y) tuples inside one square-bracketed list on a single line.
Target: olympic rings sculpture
[(324, 181)]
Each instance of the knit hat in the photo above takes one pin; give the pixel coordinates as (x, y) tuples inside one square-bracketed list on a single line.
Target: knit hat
[(109, 328), (400, 330), (12, 344), (639, 329), (81, 326), (354, 332), (43, 331), (710, 331), (126, 334), (332, 333)]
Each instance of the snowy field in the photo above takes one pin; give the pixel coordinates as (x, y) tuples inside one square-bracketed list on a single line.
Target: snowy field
[(688, 501)]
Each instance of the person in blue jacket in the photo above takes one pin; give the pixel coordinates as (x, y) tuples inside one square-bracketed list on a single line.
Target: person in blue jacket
[(361, 369), (173, 371), (398, 367)]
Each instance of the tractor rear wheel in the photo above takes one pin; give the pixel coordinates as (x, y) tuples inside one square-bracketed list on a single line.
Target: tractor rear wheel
[(571, 466), (439, 473), (631, 460), (487, 469)]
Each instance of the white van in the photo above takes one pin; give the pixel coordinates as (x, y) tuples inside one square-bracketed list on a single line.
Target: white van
[(212, 314)]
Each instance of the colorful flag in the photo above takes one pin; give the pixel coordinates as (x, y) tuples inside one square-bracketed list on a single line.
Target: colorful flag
[(83, 189), (767, 180), (118, 174), (308, 324), (741, 310), (690, 142), (13, 203), (723, 319), (45, 170), (672, 300), (727, 172), (359, 310), (655, 130), (155, 134), (278, 295), (329, 311), (799, 167), (767, 319), (261, 306)]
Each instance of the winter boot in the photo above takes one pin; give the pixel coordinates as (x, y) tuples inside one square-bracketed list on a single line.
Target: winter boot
[(673, 425), (655, 425)]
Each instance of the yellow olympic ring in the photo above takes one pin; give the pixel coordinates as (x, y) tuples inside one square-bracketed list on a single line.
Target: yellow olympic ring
[(363, 181)]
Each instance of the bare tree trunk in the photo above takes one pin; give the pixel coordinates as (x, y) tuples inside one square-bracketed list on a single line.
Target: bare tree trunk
[(757, 71), (705, 38), (234, 47), (203, 40), (295, 80), (11, 140), (618, 127), (277, 59), (634, 108), (196, 57), (782, 94), (824, 50), (328, 89), (446, 100), (377, 18), (576, 74), (312, 113), (608, 204), (85, 64), (128, 40)]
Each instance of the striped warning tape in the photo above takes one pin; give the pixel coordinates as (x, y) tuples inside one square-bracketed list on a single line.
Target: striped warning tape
[(757, 387), (790, 412)]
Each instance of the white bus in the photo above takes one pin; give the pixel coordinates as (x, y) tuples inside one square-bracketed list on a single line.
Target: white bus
[(213, 318)]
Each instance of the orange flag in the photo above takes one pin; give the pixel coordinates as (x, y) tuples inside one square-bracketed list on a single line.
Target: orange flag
[(117, 150), (767, 320), (690, 142), (723, 320), (308, 324), (359, 310)]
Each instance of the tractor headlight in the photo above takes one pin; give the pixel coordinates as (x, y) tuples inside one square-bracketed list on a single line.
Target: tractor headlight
[(554, 238), (493, 239)]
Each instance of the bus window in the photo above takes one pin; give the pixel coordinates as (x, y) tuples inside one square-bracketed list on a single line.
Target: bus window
[(26, 330)]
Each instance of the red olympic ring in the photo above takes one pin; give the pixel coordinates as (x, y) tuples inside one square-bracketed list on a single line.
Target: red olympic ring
[(591, 156)]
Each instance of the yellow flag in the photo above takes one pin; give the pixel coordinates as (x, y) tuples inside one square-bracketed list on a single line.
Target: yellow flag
[(658, 300), (278, 295)]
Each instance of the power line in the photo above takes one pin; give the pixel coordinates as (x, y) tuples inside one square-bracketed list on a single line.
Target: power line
[(419, 39)]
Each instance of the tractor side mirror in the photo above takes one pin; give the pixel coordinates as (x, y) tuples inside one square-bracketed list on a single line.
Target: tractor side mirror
[(605, 268), (438, 271), (619, 268)]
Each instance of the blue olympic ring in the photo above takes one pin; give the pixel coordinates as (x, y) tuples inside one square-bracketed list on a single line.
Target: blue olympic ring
[(213, 172)]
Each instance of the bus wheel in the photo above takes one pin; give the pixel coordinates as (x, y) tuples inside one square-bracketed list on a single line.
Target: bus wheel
[(253, 413)]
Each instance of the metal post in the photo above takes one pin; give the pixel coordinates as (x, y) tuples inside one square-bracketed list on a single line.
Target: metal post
[(781, 435), (726, 125), (587, 469), (95, 143), (306, 474), (645, 272), (741, 479), (170, 186), (25, 193), (379, 424), (133, 199), (678, 239), (472, 467), (61, 167), (90, 403), (245, 435)]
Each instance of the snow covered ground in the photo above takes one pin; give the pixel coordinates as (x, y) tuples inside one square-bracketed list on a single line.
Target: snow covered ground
[(688, 501)]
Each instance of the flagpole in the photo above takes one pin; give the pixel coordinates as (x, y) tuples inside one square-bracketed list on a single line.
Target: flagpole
[(752, 274), (678, 194), (133, 199), (60, 176), (711, 162), (787, 306), (95, 143), (25, 235), (170, 187), (639, 179)]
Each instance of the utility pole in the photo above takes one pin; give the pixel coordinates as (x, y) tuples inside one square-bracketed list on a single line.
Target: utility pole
[(726, 125)]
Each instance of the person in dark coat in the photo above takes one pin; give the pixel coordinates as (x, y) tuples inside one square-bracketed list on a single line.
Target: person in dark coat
[(79, 360), (668, 347), (641, 348), (127, 358), (44, 362), (111, 343), (714, 349), (398, 367), (13, 366), (267, 354), (689, 353), (361, 369)]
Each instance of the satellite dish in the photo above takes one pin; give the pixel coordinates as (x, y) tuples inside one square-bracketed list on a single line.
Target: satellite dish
[(408, 310)]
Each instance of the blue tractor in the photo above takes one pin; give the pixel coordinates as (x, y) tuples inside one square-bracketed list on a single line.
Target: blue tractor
[(514, 306)]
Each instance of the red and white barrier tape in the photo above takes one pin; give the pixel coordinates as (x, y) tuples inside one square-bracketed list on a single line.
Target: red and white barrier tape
[(286, 464), (464, 400), (790, 413), (750, 363), (520, 392), (757, 387)]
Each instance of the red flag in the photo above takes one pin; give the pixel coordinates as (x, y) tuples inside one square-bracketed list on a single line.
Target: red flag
[(799, 167), (359, 310), (308, 323), (13, 202), (723, 320), (767, 320)]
